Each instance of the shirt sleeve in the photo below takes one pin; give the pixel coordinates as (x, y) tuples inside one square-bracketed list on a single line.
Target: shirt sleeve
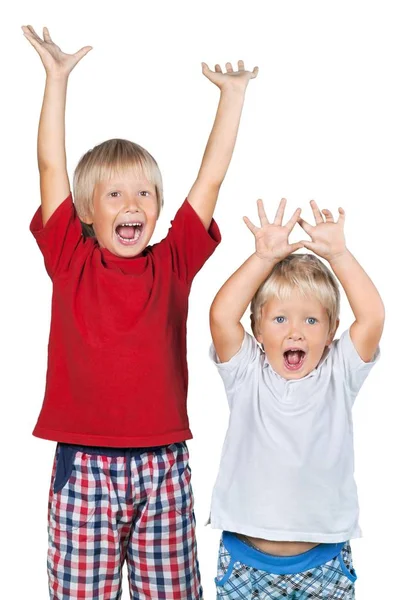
[(239, 368), (188, 243), (59, 238), (349, 361)]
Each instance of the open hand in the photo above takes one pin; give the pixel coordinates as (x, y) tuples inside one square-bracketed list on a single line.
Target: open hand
[(272, 238), (54, 60), (231, 79), (327, 235)]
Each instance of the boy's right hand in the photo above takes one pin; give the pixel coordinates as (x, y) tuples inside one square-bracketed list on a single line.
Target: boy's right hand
[(55, 62), (272, 238)]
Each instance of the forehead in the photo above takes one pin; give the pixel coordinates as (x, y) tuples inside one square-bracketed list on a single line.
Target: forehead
[(296, 303), (124, 179)]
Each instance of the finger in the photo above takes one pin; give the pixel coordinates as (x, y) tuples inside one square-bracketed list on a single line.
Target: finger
[(328, 215), (342, 216), (295, 217), (218, 69), (35, 43), (295, 246), (229, 68), (261, 213), (250, 225), (82, 52), (33, 32), (240, 65), (46, 35), (31, 35), (309, 245), (280, 212), (254, 73), (306, 226), (316, 212)]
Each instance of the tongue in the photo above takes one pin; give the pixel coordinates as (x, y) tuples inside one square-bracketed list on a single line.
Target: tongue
[(293, 357), (127, 233)]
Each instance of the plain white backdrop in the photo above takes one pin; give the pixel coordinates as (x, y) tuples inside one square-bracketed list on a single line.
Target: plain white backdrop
[(321, 121)]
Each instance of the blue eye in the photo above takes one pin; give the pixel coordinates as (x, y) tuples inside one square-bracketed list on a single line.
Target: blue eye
[(279, 319), (311, 320)]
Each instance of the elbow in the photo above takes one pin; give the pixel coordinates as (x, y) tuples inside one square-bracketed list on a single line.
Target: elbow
[(218, 314), (214, 313)]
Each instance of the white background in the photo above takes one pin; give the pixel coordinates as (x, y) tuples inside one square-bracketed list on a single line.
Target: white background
[(321, 121)]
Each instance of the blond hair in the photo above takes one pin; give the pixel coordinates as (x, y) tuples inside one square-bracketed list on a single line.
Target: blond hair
[(306, 274), (105, 161)]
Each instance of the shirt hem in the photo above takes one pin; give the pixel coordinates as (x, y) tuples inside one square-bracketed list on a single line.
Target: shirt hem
[(112, 441), (287, 536)]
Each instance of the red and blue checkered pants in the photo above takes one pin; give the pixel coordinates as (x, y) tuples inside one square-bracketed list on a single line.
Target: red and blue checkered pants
[(136, 507)]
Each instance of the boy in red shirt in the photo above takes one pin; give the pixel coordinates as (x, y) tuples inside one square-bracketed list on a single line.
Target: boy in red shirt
[(117, 374)]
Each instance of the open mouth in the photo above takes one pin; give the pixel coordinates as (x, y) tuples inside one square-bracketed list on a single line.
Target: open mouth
[(128, 234), (294, 359)]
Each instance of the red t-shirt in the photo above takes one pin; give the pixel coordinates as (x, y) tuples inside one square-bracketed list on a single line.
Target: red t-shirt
[(117, 371)]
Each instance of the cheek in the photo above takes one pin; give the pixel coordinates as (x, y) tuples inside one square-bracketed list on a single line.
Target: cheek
[(152, 213), (273, 337), (318, 340)]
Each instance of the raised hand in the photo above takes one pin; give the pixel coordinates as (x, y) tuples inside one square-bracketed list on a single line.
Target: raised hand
[(231, 79), (327, 235), (272, 238), (55, 62)]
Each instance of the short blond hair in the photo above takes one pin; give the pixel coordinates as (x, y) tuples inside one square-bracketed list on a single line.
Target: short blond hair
[(106, 160), (306, 274)]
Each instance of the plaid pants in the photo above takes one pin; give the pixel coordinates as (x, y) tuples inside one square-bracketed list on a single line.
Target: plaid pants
[(333, 580), (136, 507)]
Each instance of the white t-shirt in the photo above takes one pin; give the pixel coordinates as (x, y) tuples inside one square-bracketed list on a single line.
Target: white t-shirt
[(287, 464)]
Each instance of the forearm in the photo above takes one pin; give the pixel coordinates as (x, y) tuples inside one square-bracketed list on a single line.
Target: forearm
[(236, 294), (217, 156), (51, 134), (221, 143), (363, 297), (54, 182)]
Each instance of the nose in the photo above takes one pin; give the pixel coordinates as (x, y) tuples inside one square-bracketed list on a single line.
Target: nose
[(296, 335), (131, 204)]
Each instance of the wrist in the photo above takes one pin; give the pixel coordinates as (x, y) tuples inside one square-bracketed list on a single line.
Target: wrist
[(339, 256), (52, 77), (230, 89), (266, 260)]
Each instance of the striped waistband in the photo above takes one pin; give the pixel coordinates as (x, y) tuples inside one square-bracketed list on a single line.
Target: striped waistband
[(279, 565)]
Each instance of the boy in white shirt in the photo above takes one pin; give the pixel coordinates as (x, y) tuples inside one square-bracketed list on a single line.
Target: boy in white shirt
[(285, 494)]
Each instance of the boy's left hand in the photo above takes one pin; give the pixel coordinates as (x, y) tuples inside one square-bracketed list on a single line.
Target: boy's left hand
[(327, 235), (231, 79)]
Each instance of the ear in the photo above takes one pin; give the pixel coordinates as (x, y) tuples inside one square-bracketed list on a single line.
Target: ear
[(254, 329), (87, 219), (332, 336)]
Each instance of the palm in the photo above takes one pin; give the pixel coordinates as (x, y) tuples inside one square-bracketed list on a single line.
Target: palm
[(54, 60), (272, 238), (327, 235), (237, 79)]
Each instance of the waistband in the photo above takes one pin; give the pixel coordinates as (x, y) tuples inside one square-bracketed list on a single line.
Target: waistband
[(115, 452), (66, 456), (279, 565)]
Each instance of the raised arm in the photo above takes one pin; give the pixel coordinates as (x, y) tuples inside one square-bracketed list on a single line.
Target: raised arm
[(218, 153), (54, 182), (328, 241), (235, 295)]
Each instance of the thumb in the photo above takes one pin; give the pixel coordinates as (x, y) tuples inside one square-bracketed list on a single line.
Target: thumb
[(82, 52), (295, 246), (309, 245)]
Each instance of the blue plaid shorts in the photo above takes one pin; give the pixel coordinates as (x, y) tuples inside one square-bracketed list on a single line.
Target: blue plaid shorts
[(245, 573)]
